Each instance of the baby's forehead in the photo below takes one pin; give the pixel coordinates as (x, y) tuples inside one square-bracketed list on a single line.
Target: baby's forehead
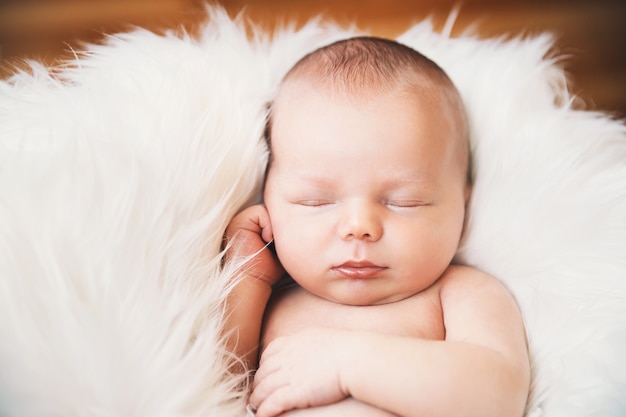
[(422, 91), (428, 96)]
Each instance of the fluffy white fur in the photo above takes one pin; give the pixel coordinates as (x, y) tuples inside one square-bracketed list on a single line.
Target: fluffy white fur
[(119, 173)]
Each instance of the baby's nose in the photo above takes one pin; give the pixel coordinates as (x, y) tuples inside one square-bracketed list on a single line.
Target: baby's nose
[(361, 221)]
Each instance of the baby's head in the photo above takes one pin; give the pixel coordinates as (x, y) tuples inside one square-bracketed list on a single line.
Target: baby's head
[(368, 175)]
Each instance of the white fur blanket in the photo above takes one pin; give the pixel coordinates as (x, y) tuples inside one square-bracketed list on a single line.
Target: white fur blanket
[(119, 173)]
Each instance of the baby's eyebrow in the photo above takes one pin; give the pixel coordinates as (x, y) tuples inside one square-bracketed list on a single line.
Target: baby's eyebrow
[(387, 180), (408, 180), (318, 180), (406, 177)]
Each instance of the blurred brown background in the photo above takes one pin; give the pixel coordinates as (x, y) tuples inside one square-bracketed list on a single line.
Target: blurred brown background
[(591, 34)]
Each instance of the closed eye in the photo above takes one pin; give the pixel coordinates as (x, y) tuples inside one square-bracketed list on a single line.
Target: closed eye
[(405, 203), (313, 203)]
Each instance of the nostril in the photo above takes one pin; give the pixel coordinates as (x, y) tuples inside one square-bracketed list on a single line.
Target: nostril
[(359, 236)]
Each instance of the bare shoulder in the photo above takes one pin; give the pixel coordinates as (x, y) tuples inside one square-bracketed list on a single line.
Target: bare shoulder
[(458, 277), (478, 308), (461, 285)]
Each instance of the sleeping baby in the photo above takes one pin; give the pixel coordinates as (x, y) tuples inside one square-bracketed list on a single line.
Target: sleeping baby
[(364, 202)]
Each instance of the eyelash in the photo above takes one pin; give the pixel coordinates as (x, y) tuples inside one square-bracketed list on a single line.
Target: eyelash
[(401, 204), (313, 203), (405, 204)]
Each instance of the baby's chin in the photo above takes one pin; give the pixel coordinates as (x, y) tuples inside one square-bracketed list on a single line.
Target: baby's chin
[(362, 298)]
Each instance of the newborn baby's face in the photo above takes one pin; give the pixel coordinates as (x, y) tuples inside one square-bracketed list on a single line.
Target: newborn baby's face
[(365, 197)]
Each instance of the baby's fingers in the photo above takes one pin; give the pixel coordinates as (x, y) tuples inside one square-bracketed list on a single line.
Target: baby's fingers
[(272, 390), (279, 401), (264, 384)]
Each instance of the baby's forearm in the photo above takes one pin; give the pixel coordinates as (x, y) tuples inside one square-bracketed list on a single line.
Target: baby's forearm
[(248, 235), (435, 378), (244, 314), (348, 407)]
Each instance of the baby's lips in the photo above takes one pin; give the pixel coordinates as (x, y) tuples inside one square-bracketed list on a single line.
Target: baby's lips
[(359, 269)]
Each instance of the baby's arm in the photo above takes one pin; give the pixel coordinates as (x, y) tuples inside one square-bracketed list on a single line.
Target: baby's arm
[(480, 369), (347, 407), (247, 235)]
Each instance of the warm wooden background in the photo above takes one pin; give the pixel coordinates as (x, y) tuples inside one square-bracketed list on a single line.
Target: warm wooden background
[(591, 34)]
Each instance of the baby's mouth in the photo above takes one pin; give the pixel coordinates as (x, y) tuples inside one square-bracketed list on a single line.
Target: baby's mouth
[(359, 269)]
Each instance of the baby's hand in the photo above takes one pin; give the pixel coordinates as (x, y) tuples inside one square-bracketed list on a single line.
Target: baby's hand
[(248, 234), (300, 371)]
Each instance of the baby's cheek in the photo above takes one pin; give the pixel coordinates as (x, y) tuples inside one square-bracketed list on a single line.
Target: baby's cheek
[(289, 250)]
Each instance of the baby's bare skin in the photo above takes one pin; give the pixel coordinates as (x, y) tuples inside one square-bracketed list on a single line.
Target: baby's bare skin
[(364, 202), (294, 309)]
